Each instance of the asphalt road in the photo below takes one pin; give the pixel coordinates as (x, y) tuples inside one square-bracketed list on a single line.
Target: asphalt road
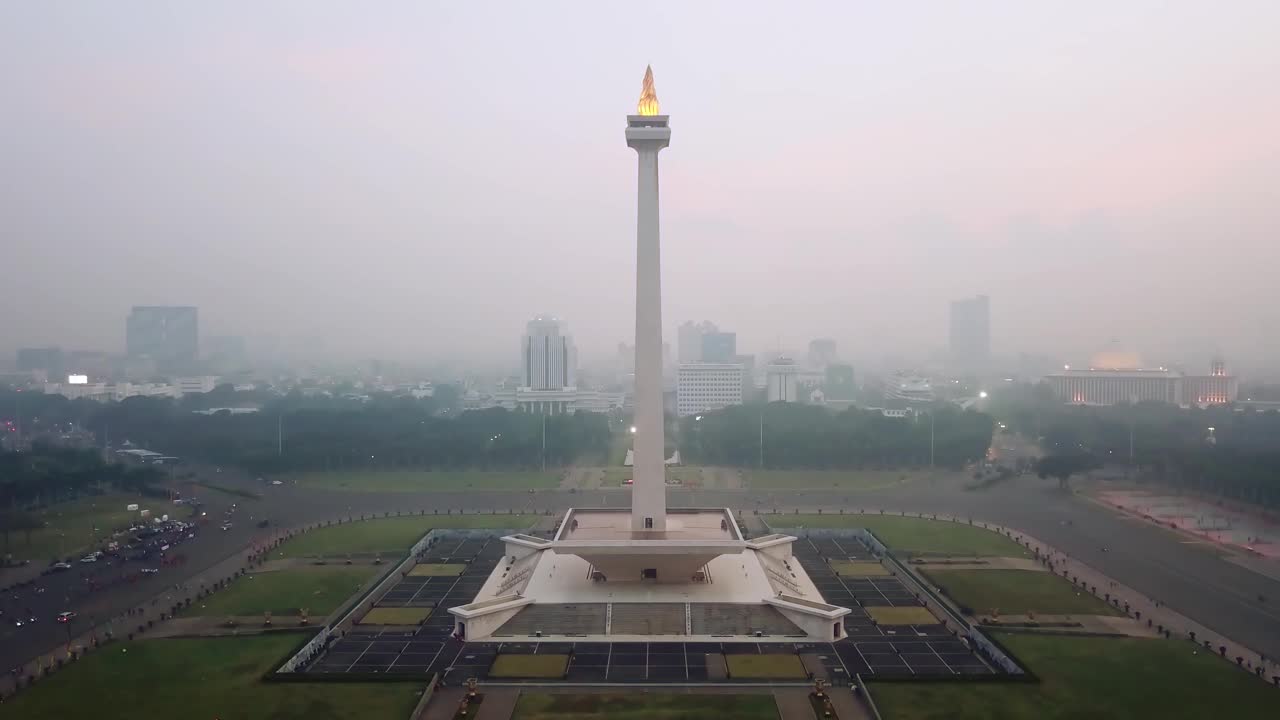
[(1192, 579)]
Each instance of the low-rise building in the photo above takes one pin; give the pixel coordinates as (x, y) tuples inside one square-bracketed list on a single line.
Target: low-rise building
[(703, 387)]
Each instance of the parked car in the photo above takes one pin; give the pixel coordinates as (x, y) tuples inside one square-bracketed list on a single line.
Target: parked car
[(60, 566), (66, 617), (150, 571), (89, 559)]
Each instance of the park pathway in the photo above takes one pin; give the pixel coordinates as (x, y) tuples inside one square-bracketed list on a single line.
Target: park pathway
[(1140, 606), (499, 703), (1148, 610)]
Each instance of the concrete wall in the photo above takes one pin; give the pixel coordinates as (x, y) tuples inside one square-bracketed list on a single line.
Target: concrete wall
[(479, 628), (812, 625)]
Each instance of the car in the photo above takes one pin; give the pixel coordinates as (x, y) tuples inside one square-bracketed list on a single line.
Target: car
[(59, 566), (150, 571), (226, 526), (89, 559), (66, 617)]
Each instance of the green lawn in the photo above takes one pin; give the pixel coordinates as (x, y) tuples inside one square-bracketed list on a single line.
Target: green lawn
[(205, 678), (284, 592), (1017, 592), (74, 526), (913, 536), (815, 479), (614, 476), (688, 476), (766, 666), (418, 481), (1096, 678), (542, 665), (619, 444), (391, 536), (647, 706)]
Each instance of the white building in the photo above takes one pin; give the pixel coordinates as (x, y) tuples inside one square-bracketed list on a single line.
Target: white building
[(703, 387), (1116, 377), (780, 380), (196, 385), (107, 392)]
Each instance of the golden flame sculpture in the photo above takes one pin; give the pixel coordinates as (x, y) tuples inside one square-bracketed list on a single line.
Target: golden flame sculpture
[(648, 104)]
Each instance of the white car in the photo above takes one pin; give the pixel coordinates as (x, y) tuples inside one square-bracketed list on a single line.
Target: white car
[(150, 571), (89, 559)]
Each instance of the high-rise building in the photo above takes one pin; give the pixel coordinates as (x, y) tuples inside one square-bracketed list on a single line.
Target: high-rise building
[(839, 385), (689, 340), (822, 352), (167, 335), (46, 359), (703, 387), (548, 356), (719, 347), (970, 337)]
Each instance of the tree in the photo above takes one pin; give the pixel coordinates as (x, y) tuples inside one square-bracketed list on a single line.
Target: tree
[(1064, 466)]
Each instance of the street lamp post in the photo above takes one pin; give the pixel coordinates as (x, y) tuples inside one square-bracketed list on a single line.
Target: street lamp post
[(931, 413), (762, 438)]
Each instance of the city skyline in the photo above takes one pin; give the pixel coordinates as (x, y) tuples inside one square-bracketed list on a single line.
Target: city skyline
[(912, 171)]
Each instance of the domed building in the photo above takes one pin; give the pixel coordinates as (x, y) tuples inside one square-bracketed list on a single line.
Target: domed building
[(1117, 376)]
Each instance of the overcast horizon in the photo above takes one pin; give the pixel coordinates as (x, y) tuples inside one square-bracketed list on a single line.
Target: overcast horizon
[(417, 180)]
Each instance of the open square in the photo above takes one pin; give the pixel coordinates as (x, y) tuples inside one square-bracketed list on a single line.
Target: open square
[(436, 570), (629, 706)]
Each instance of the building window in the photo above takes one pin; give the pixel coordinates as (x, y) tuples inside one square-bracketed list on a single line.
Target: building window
[(648, 523)]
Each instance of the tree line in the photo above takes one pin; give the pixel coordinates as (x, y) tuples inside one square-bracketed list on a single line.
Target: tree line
[(1217, 450), (296, 432), (791, 435)]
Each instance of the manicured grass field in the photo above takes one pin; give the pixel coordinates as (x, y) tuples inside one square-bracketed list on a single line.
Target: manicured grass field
[(549, 665), (1017, 592), (615, 476), (906, 615), (647, 706), (815, 479), (284, 592), (395, 616), (419, 481), (619, 444), (206, 678), (913, 536), (854, 569), (687, 476), (770, 666), (72, 527), (391, 536), (437, 570), (1096, 678)]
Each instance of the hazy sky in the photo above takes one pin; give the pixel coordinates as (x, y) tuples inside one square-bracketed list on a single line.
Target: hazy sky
[(413, 179)]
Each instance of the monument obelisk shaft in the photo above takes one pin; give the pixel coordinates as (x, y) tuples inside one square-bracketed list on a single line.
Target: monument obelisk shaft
[(647, 133)]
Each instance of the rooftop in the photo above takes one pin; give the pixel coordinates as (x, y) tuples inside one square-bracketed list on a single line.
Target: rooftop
[(615, 524)]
